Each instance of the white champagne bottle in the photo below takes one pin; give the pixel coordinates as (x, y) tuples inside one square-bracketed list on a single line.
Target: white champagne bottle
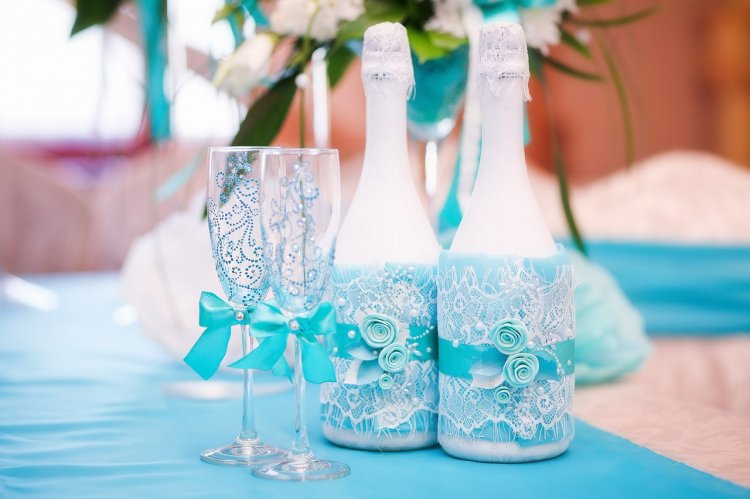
[(505, 291), (503, 217), (385, 347), (386, 220)]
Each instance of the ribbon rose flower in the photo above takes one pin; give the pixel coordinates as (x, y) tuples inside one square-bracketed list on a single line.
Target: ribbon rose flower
[(385, 381), (393, 358), (509, 336), (520, 369), (502, 394), (378, 330)]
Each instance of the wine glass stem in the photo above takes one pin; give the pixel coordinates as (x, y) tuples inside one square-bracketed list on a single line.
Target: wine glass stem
[(248, 416), (301, 444)]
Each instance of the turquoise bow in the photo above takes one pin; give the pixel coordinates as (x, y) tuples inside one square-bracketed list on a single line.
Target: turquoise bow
[(271, 326), (218, 317)]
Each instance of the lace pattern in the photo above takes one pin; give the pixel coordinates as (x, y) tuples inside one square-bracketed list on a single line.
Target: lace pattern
[(476, 292), (408, 294), (503, 55), (386, 56), (235, 230)]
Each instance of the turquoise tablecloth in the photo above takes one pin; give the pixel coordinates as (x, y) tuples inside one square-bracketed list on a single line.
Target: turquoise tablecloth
[(83, 413)]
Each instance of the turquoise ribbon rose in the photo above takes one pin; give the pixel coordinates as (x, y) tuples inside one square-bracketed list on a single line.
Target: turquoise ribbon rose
[(218, 317), (376, 351), (510, 362), (272, 327)]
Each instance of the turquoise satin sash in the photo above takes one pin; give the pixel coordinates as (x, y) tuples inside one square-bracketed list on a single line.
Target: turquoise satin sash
[(272, 327), (422, 342), (462, 361)]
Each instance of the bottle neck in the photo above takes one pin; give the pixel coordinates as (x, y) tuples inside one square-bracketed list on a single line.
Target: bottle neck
[(503, 163), (386, 158)]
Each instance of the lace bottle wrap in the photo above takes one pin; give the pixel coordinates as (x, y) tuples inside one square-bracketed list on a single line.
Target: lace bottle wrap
[(385, 356), (503, 55), (386, 56), (506, 349)]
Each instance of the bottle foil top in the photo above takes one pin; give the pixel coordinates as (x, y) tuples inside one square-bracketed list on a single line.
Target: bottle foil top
[(386, 56), (503, 55)]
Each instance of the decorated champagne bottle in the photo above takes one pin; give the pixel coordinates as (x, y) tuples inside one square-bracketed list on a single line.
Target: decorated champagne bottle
[(505, 297), (385, 346)]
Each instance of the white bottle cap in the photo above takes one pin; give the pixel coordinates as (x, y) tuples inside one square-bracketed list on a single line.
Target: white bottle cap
[(386, 56), (503, 55)]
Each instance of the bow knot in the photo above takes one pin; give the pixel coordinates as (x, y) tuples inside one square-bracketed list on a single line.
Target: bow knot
[(218, 317), (272, 327)]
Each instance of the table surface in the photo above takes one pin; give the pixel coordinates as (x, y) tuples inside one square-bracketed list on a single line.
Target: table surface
[(89, 410)]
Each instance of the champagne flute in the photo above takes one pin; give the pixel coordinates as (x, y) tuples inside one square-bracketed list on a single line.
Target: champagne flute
[(300, 210), (233, 210)]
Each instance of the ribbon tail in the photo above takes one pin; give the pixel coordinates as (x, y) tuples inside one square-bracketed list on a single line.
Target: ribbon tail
[(281, 368), (265, 356), (316, 365), (207, 353)]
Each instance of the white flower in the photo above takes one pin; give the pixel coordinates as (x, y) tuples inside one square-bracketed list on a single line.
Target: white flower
[(448, 17), (541, 25), (246, 66), (292, 17)]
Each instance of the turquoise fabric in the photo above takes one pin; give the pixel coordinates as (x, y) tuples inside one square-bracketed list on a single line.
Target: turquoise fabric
[(682, 289), (153, 30), (85, 415)]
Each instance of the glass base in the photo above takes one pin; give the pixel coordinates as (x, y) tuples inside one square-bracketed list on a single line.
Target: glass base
[(244, 453), (303, 470)]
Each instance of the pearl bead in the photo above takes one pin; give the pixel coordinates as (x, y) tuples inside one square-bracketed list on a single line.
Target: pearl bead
[(569, 362), (341, 302), (531, 344), (454, 343), (293, 325), (239, 316), (351, 334), (429, 349)]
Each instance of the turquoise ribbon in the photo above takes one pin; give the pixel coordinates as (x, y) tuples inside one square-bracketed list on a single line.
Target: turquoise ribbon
[(218, 317), (272, 327), (153, 30), (422, 342), (459, 360)]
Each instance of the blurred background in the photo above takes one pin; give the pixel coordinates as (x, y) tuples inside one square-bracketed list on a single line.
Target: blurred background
[(92, 192), (80, 179)]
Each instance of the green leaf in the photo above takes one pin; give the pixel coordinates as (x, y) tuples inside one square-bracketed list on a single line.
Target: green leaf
[(574, 43), (339, 58), (622, 99), (571, 71), (445, 41), (560, 171), (616, 21), (92, 12), (376, 11), (265, 117), (224, 13), (422, 46)]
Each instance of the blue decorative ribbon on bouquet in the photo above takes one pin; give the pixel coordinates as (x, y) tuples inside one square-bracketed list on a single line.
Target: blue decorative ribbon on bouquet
[(218, 317), (272, 328)]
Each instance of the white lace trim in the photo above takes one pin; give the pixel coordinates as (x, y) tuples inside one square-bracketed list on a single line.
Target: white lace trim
[(370, 409), (503, 55), (386, 56), (408, 294), (474, 297)]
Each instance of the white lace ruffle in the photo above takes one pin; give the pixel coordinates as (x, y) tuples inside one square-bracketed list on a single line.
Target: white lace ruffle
[(370, 409), (408, 294), (503, 55), (386, 56), (474, 297)]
